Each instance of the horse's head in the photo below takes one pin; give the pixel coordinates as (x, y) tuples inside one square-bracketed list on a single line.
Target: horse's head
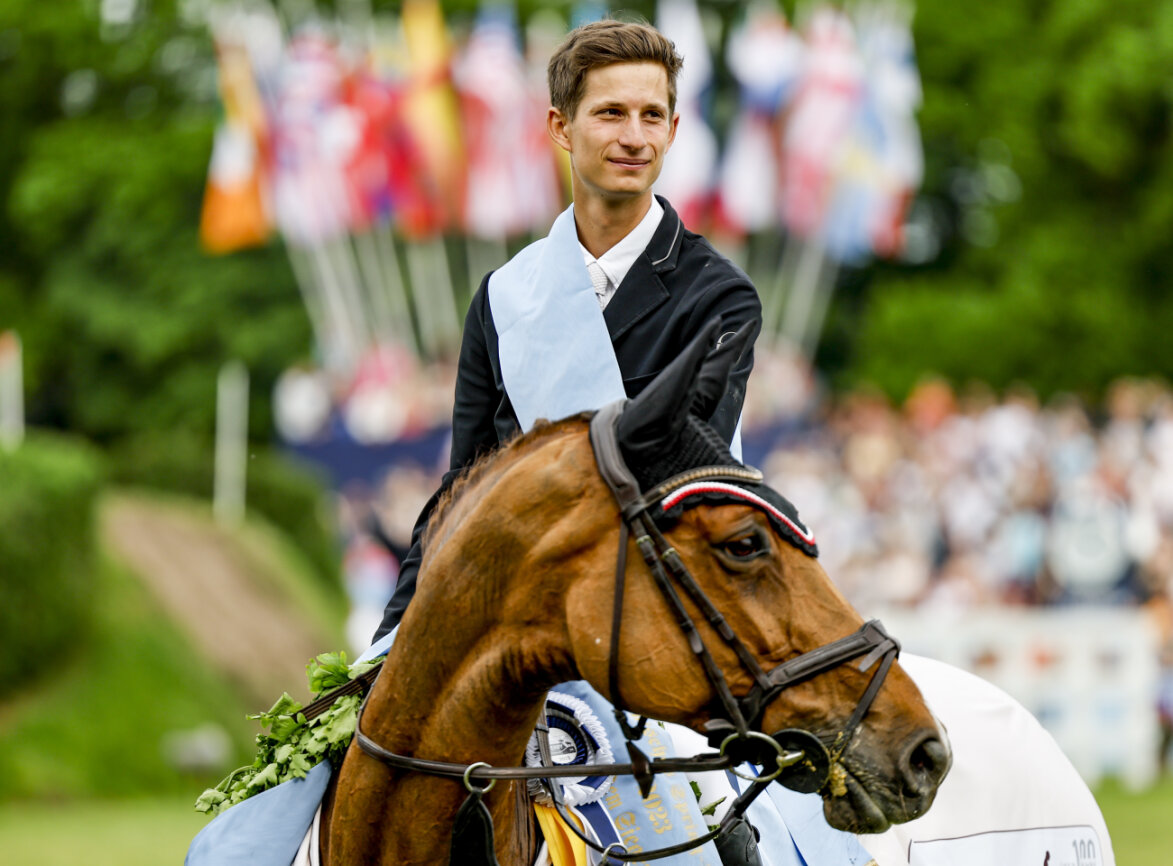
[(746, 550)]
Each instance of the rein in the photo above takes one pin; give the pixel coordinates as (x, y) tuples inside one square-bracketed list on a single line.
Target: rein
[(801, 761)]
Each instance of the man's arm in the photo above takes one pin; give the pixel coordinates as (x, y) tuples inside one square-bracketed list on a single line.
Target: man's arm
[(474, 405)]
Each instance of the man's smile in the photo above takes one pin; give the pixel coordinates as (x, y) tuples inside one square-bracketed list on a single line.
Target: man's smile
[(628, 162)]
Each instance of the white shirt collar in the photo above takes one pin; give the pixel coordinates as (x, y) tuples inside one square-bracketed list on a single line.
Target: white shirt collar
[(617, 261)]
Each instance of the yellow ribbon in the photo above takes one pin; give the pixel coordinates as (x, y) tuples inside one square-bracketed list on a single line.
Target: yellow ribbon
[(564, 847)]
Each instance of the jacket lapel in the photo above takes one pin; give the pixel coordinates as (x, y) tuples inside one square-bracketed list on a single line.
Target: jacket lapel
[(642, 290)]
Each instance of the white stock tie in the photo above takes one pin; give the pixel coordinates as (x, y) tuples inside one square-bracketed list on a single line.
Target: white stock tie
[(600, 282)]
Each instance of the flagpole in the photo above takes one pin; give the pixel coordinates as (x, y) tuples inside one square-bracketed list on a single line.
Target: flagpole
[(484, 255), (374, 282), (824, 290), (421, 293), (782, 287), (11, 391), (449, 318), (400, 302), (228, 495), (348, 330), (801, 298), (328, 330), (341, 254)]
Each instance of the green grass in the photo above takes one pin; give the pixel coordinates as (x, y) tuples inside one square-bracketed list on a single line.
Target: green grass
[(97, 726), (152, 832), (1141, 824)]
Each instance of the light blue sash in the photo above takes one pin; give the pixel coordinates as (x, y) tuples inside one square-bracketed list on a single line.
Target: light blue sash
[(264, 830), (556, 355), (552, 341)]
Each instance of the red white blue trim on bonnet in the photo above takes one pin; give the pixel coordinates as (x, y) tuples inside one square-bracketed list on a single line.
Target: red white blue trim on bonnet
[(719, 489)]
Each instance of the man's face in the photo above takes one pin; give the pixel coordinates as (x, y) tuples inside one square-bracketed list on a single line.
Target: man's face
[(620, 132)]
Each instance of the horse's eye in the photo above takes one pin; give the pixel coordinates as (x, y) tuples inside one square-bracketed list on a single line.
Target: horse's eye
[(745, 547)]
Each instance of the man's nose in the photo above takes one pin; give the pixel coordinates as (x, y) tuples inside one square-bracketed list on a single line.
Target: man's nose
[(632, 133)]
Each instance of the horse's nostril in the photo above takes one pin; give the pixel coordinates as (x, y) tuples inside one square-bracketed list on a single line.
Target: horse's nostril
[(926, 764)]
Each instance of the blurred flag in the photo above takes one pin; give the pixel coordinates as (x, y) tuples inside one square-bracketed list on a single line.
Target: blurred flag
[(766, 57), (881, 162), (820, 121), (235, 213), (544, 32), (512, 182), (314, 135), (432, 118), (690, 168), (371, 106), (894, 92)]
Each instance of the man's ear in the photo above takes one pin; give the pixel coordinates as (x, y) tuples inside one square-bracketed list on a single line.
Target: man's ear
[(556, 128)]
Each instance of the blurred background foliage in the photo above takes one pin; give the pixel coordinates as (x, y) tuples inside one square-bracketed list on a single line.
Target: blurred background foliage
[(1048, 195), (1048, 151), (123, 317)]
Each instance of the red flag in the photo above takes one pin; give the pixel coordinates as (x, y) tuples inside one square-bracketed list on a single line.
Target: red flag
[(512, 181)]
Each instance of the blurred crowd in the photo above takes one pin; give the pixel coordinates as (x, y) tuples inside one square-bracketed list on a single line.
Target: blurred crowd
[(952, 500)]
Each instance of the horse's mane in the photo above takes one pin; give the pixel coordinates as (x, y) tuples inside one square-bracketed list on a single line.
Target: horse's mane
[(509, 450), (697, 444)]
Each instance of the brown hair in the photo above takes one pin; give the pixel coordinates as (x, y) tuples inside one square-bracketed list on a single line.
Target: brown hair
[(602, 43)]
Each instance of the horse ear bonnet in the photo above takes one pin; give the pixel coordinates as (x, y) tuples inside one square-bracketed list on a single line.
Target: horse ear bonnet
[(663, 432)]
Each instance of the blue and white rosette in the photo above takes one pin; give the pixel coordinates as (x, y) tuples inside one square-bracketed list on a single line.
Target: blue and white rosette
[(576, 737)]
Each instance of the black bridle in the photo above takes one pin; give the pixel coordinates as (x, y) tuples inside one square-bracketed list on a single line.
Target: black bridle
[(802, 761)]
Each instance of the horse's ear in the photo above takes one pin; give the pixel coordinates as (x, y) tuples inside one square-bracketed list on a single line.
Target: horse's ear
[(713, 377), (651, 421)]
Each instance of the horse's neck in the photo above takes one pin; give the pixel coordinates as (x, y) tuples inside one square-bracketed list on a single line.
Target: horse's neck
[(462, 683)]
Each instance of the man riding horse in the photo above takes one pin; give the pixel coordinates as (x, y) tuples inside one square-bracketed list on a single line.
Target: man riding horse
[(590, 315), (616, 291), (538, 343)]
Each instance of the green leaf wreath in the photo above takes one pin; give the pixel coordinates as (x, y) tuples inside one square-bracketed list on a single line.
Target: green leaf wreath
[(294, 745)]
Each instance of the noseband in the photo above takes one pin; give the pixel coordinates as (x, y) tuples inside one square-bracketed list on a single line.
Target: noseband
[(802, 762)]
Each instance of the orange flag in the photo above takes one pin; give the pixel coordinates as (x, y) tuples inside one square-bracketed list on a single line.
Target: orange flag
[(235, 212)]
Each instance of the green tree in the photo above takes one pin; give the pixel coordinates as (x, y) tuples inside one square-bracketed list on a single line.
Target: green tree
[(1050, 167), (125, 321)]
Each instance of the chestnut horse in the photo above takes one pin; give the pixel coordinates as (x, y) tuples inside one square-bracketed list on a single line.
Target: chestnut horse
[(515, 596)]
